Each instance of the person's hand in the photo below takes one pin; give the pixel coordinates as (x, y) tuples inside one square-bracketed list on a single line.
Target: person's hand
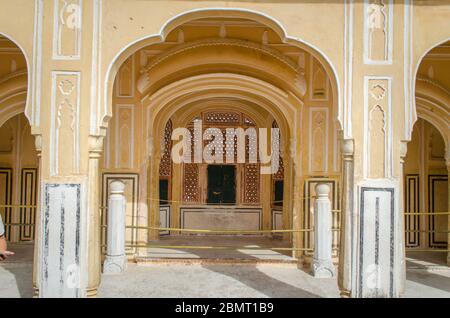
[(5, 254)]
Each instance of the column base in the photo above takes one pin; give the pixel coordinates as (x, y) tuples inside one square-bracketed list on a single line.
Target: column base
[(92, 292), (115, 264), (345, 293), (35, 292), (323, 269)]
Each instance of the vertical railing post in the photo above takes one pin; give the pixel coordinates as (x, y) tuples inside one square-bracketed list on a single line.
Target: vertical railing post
[(322, 263), (116, 259)]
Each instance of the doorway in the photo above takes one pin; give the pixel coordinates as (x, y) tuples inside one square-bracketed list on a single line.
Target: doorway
[(221, 184)]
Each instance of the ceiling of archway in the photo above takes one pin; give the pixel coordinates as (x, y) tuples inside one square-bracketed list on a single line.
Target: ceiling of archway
[(436, 66), (11, 57), (226, 45)]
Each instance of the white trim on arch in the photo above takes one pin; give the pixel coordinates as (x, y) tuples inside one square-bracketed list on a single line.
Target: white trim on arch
[(28, 89), (414, 82), (165, 26)]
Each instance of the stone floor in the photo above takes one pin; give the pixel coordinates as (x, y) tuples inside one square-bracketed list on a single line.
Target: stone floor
[(427, 276), (224, 247)]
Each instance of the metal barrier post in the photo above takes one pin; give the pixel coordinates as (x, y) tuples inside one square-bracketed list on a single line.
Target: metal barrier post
[(116, 259), (322, 263)]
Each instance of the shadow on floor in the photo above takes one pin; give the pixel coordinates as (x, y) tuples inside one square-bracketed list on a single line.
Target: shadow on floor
[(252, 277), (248, 274), (428, 278)]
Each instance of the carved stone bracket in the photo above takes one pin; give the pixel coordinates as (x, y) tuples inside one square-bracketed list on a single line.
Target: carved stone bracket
[(95, 146)]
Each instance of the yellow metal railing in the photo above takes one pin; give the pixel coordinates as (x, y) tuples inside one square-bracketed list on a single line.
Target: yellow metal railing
[(102, 208)]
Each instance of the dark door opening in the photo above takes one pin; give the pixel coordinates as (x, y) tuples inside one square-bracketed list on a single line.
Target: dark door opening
[(163, 191), (278, 193), (221, 184)]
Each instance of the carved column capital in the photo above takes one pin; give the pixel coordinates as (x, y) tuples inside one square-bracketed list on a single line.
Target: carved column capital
[(95, 146), (403, 150), (38, 144), (348, 148), (447, 162)]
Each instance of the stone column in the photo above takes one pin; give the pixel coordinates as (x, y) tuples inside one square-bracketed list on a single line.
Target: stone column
[(116, 259), (266, 187), (401, 223), (177, 196), (322, 263), (287, 202), (345, 247), (297, 237), (94, 235), (37, 240), (154, 197)]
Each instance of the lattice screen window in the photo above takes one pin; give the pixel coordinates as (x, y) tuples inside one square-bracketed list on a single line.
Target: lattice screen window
[(165, 166), (230, 146), (222, 118), (251, 152), (280, 173), (251, 183), (191, 191), (248, 121)]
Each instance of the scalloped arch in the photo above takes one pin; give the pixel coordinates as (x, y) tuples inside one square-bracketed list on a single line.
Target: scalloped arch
[(27, 107), (106, 111)]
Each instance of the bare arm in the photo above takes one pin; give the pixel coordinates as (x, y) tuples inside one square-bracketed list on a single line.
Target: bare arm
[(3, 246)]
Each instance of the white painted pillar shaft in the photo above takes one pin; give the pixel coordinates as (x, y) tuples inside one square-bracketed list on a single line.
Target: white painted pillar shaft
[(116, 260), (322, 262)]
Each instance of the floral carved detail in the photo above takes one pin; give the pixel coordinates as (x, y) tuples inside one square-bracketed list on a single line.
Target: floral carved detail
[(378, 92)]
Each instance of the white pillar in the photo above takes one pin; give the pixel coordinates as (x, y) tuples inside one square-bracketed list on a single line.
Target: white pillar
[(116, 259), (322, 262), (347, 219)]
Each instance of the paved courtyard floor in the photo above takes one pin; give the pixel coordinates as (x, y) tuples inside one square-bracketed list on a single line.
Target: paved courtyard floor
[(427, 276)]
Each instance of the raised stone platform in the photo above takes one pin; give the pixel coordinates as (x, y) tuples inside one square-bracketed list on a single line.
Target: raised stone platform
[(219, 249)]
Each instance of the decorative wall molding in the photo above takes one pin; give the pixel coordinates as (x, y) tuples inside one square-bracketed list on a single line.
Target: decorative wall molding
[(277, 219), (378, 31), (219, 218), (408, 68), (124, 136), (412, 205), (28, 196), (67, 29), (125, 79), (377, 160), (36, 77), (65, 123), (318, 139), (164, 219), (222, 42), (96, 65), (318, 81), (345, 112), (6, 198), (437, 190)]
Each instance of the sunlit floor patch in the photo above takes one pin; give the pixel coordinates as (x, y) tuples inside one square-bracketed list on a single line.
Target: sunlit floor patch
[(220, 247)]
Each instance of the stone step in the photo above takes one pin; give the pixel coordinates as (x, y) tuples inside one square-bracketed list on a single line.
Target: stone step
[(216, 261)]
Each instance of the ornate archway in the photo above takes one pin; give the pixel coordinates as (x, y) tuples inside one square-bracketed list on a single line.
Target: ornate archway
[(427, 162), (252, 69)]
